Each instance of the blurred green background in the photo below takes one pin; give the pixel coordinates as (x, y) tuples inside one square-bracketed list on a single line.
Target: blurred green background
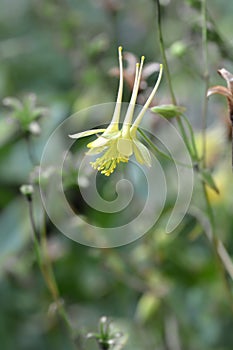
[(164, 291)]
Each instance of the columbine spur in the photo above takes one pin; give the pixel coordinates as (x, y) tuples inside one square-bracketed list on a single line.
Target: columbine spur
[(119, 145)]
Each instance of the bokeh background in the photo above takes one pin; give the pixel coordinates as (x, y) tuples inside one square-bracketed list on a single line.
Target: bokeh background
[(163, 291)]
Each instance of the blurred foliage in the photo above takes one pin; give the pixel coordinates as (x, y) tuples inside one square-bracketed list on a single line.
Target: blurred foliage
[(163, 291)]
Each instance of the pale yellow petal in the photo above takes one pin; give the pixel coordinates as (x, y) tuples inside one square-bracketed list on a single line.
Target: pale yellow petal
[(124, 146), (79, 135), (104, 139), (99, 142), (141, 153), (95, 150)]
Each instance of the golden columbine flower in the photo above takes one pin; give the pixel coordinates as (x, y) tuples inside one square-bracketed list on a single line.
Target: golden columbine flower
[(119, 145)]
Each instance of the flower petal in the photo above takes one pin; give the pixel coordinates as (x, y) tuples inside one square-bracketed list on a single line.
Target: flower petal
[(99, 142), (228, 77), (95, 150), (86, 133), (124, 146), (111, 135), (141, 153), (12, 102), (149, 69), (221, 90)]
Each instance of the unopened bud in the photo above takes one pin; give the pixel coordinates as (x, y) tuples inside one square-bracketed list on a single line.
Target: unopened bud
[(27, 191)]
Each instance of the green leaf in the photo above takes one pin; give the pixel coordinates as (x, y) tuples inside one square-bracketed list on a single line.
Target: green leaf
[(147, 306), (168, 111), (208, 179), (194, 152)]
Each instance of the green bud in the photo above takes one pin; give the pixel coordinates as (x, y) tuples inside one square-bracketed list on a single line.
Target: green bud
[(168, 111), (178, 48)]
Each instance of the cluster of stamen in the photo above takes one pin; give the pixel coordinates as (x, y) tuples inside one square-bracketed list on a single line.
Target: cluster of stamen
[(108, 162)]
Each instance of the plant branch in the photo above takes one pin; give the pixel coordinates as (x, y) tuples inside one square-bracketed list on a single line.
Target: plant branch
[(209, 211)]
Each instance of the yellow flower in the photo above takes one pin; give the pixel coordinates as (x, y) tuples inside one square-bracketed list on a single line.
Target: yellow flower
[(119, 145)]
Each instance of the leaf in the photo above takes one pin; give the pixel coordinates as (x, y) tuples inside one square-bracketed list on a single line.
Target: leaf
[(147, 306), (208, 179), (124, 146), (168, 111), (194, 152)]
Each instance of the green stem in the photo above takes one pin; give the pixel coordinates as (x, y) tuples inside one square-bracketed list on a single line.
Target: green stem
[(206, 78), (163, 53), (194, 152), (209, 210), (168, 76), (204, 126), (30, 152), (40, 244), (153, 146), (157, 151), (215, 245)]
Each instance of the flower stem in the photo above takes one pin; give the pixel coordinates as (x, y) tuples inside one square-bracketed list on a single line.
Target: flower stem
[(163, 53), (168, 75), (206, 78), (30, 151)]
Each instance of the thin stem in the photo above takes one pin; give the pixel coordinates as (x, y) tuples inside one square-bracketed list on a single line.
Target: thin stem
[(168, 75), (204, 126), (47, 262), (163, 53), (35, 236), (40, 244), (206, 78), (31, 154), (156, 150), (50, 277), (194, 152), (215, 245)]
